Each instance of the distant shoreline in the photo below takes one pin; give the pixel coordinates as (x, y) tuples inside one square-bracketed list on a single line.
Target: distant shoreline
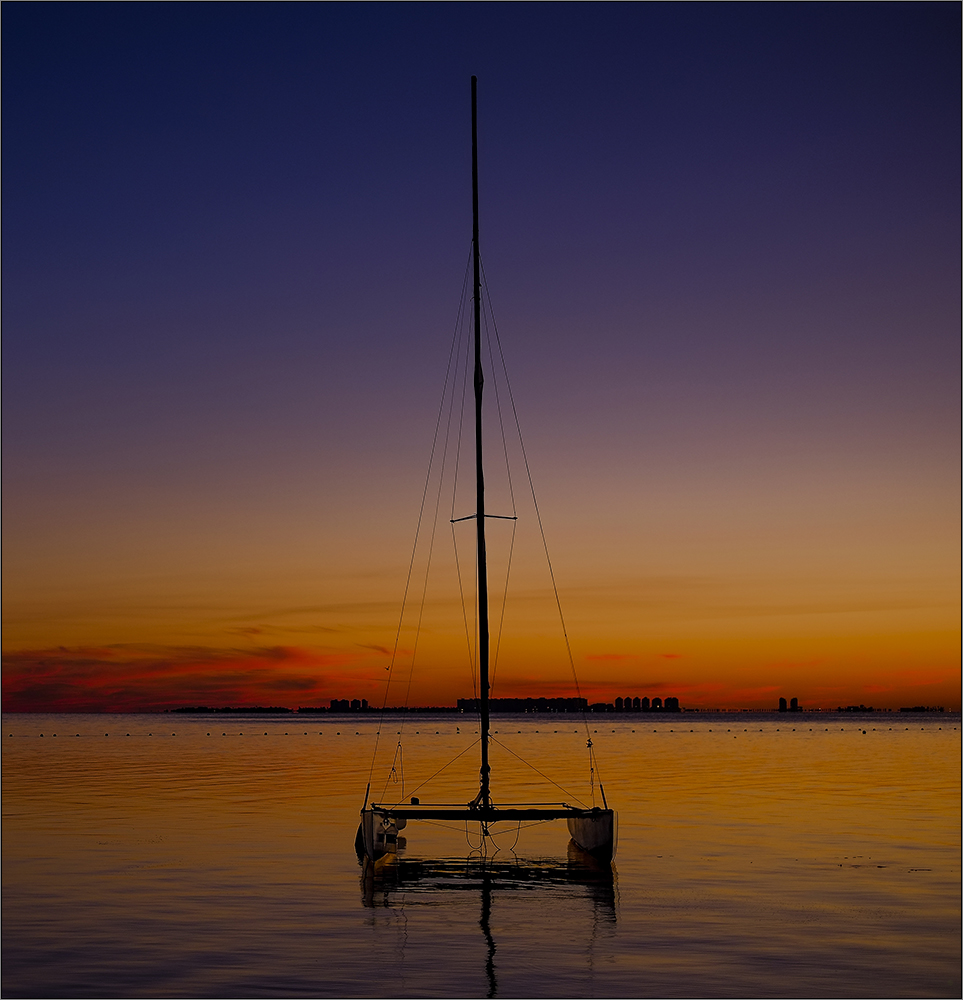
[(451, 711)]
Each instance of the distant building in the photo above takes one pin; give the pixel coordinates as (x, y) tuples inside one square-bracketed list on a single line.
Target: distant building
[(343, 705), (644, 705), (656, 704), (782, 705), (794, 705)]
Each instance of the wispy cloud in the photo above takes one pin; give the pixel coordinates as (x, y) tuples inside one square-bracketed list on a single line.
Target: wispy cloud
[(149, 677)]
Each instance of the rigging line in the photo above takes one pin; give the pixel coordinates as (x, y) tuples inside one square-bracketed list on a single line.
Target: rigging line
[(571, 795), (486, 313), (421, 511), (464, 615), (486, 299), (440, 769), (461, 417), (501, 620), (431, 549), (399, 760), (454, 539), (538, 515)]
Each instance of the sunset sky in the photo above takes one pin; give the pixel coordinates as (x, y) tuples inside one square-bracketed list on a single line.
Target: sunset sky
[(722, 243)]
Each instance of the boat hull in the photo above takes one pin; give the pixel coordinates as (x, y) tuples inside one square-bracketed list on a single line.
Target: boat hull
[(378, 834), (595, 832)]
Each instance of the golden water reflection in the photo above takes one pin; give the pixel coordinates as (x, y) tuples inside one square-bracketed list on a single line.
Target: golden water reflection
[(756, 858)]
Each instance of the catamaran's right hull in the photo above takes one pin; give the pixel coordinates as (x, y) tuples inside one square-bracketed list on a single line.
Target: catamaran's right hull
[(595, 832)]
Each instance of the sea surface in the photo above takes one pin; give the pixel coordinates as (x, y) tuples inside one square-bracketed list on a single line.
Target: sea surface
[(760, 855)]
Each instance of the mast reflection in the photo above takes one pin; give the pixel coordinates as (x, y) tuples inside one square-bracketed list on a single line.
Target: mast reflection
[(489, 876)]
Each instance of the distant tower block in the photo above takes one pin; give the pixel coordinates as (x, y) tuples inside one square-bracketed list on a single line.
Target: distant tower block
[(793, 704), (644, 705), (637, 705), (656, 704), (618, 704), (782, 704)]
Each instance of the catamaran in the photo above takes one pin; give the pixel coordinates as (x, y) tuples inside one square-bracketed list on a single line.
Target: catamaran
[(593, 829)]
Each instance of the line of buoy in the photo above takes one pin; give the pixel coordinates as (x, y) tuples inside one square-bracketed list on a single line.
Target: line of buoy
[(520, 732)]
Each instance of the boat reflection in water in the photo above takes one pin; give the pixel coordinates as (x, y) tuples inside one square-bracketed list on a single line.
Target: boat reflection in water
[(390, 882)]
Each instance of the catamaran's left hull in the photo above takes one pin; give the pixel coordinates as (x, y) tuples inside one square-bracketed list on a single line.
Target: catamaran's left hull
[(378, 834)]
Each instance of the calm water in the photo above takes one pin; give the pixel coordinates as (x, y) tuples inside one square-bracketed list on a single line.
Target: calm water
[(759, 855)]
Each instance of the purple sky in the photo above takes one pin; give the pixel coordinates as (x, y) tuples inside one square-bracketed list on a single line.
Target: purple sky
[(722, 242)]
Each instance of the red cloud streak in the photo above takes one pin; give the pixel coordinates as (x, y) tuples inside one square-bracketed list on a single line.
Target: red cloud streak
[(151, 678)]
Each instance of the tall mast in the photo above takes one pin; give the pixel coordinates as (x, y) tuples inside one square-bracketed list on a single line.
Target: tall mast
[(484, 794)]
